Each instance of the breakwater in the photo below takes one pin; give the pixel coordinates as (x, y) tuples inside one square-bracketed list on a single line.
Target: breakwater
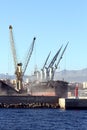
[(29, 102)]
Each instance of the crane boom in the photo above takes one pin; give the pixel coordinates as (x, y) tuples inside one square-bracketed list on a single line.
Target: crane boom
[(13, 47), (28, 56), (59, 61), (62, 54), (55, 58), (46, 60)]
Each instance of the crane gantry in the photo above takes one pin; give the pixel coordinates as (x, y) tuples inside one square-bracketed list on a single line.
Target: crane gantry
[(19, 72)]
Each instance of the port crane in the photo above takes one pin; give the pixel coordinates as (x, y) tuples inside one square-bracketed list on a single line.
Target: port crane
[(19, 72), (56, 65), (50, 66)]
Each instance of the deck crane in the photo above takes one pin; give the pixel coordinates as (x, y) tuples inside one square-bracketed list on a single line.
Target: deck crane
[(46, 61), (55, 58), (19, 72), (42, 70), (56, 65), (50, 67)]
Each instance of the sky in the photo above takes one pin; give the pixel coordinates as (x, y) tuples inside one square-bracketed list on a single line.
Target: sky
[(53, 23)]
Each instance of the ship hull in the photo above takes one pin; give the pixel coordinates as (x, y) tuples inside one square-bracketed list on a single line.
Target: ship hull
[(51, 88), (40, 95)]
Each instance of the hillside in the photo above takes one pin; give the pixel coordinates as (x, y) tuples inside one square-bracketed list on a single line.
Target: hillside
[(72, 75), (67, 75)]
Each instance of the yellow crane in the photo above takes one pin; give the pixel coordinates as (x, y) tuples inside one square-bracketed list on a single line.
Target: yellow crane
[(19, 72)]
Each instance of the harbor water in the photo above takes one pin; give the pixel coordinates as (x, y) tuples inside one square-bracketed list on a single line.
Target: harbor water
[(43, 119)]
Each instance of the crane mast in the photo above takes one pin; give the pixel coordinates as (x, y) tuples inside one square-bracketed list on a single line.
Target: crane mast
[(19, 72), (19, 77)]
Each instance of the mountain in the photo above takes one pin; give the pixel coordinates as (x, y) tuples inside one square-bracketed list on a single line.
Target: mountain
[(72, 75), (11, 77), (67, 75), (6, 76)]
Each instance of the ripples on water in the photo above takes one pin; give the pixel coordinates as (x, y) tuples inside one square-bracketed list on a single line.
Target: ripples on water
[(42, 119)]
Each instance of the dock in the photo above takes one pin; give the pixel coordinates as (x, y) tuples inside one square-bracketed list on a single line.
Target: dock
[(43, 102), (29, 101), (73, 103)]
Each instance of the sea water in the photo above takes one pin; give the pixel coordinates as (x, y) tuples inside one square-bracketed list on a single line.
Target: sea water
[(43, 119)]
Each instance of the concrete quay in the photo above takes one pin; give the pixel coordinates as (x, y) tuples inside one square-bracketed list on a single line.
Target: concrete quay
[(29, 102), (73, 103)]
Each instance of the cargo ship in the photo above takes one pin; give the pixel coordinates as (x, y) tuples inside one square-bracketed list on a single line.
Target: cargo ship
[(41, 95), (44, 89)]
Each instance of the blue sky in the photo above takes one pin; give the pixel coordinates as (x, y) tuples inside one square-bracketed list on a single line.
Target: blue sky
[(53, 23)]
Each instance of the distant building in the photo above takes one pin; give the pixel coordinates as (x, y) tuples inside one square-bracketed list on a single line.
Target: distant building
[(84, 84)]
